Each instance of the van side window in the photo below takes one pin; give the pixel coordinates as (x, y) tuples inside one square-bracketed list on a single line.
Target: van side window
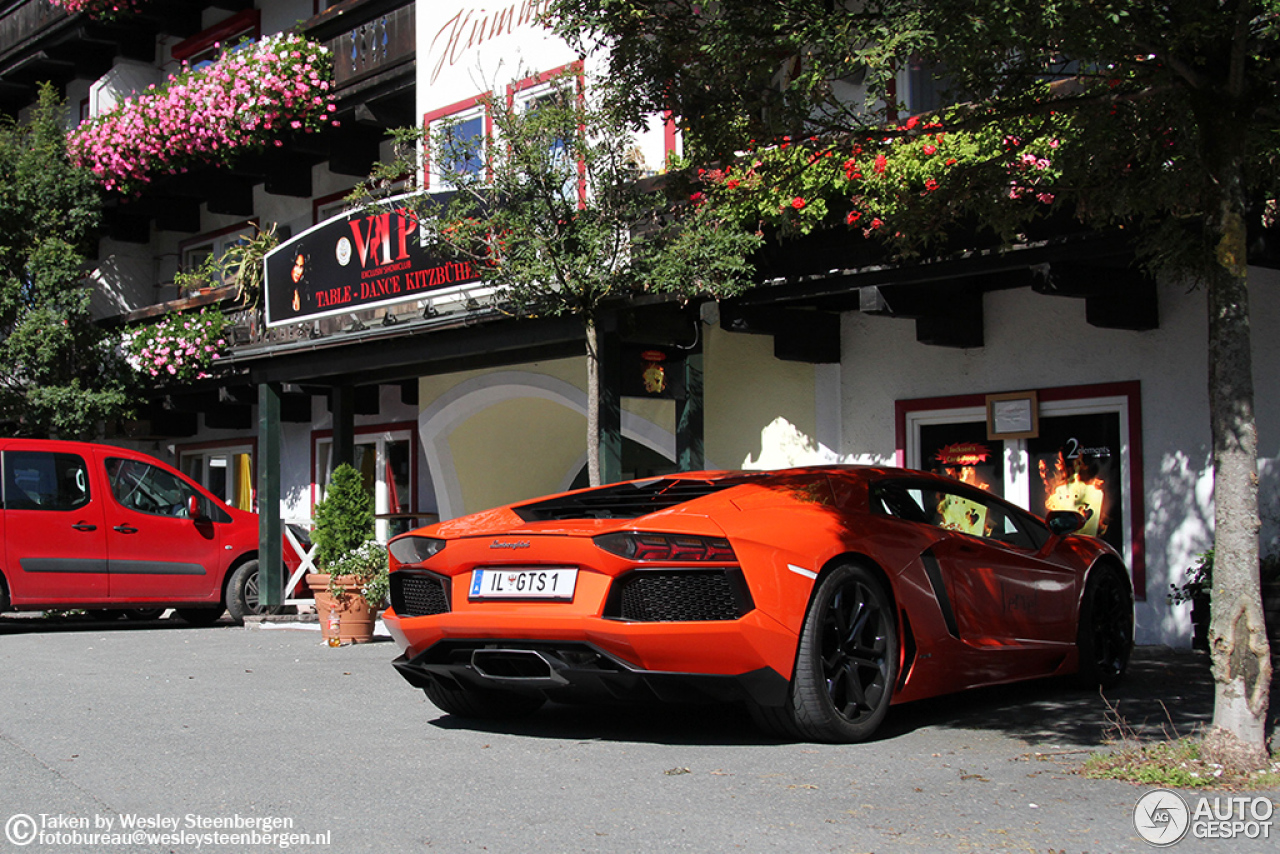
[(39, 480), (147, 488)]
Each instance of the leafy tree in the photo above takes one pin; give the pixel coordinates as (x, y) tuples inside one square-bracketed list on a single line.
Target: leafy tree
[(1160, 118), (553, 214), (57, 376)]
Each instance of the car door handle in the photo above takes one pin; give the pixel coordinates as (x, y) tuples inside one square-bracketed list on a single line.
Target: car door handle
[(125, 529), (84, 526)]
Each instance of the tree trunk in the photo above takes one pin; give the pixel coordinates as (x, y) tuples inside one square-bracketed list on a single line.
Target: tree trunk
[(593, 401), (1238, 645)]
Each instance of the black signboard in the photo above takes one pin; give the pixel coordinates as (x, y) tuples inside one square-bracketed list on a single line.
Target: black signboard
[(355, 261)]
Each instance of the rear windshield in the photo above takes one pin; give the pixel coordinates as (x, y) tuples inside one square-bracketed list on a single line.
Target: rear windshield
[(626, 500)]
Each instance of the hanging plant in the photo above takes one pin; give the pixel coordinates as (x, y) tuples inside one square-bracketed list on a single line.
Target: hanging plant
[(180, 348), (102, 9), (245, 101)]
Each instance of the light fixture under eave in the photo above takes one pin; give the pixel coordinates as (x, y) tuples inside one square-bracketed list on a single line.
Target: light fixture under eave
[(388, 319), (471, 304), (429, 311)]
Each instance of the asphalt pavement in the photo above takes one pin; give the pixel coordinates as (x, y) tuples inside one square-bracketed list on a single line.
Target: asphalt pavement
[(159, 737)]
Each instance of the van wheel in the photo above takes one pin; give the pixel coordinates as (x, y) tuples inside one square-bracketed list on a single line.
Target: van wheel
[(242, 594)]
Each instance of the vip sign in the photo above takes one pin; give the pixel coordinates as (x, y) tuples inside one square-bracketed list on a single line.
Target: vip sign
[(356, 261)]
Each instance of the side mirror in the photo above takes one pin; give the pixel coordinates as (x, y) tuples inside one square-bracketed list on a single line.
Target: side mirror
[(1064, 522), (193, 507)]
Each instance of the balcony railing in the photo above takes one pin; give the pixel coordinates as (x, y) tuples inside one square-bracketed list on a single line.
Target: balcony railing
[(371, 40)]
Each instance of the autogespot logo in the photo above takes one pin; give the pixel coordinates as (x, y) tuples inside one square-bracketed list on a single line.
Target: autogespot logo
[(1161, 817)]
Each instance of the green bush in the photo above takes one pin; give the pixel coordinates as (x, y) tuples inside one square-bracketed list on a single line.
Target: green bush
[(344, 519)]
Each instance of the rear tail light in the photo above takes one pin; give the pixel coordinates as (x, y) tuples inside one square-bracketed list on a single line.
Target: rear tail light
[(413, 549), (669, 548)]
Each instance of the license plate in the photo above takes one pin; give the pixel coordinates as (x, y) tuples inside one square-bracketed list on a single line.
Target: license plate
[(523, 583)]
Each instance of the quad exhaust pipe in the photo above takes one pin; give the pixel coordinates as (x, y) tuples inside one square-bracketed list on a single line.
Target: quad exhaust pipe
[(524, 667)]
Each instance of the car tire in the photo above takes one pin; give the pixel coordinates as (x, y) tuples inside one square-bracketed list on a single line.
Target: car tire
[(846, 659), (144, 613), (481, 703), (242, 594), (1104, 635), (200, 616)]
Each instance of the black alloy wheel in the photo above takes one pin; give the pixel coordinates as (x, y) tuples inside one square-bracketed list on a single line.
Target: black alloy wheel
[(847, 660), (1104, 636)]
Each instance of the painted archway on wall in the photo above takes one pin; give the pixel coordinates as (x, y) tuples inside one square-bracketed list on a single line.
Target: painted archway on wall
[(446, 413)]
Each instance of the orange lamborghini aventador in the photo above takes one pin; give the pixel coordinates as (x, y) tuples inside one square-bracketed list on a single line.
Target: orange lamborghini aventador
[(818, 596)]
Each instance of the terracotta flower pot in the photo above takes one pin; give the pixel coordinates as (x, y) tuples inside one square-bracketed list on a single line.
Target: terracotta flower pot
[(356, 620)]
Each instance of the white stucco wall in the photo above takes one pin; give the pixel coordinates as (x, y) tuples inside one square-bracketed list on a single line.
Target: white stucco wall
[(1033, 341)]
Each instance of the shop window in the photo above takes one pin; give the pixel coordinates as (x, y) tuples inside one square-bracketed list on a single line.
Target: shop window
[(225, 470), (1085, 455), (386, 458)]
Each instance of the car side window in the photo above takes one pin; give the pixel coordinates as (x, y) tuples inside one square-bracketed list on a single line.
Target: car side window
[(894, 499), (987, 519), (148, 489), (40, 480)]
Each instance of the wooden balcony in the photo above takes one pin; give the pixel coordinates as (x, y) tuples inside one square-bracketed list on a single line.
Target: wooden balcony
[(41, 42), (374, 51)]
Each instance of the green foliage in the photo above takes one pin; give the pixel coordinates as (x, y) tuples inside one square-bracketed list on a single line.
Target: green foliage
[(48, 342), (183, 347), (1176, 764), (1198, 579), (343, 519), (367, 565), (1156, 110), (242, 264), (552, 213)]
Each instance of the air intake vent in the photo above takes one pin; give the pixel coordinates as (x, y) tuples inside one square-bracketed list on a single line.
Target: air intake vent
[(415, 594), (627, 500), (679, 596)]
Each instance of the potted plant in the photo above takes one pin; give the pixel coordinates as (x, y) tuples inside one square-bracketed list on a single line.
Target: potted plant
[(1195, 589), (357, 592), (344, 523), (1199, 582)]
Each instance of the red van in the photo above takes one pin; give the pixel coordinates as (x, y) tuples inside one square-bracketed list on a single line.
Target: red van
[(98, 527)]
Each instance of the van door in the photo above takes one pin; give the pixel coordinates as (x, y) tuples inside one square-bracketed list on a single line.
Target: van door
[(157, 552), (55, 537)]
